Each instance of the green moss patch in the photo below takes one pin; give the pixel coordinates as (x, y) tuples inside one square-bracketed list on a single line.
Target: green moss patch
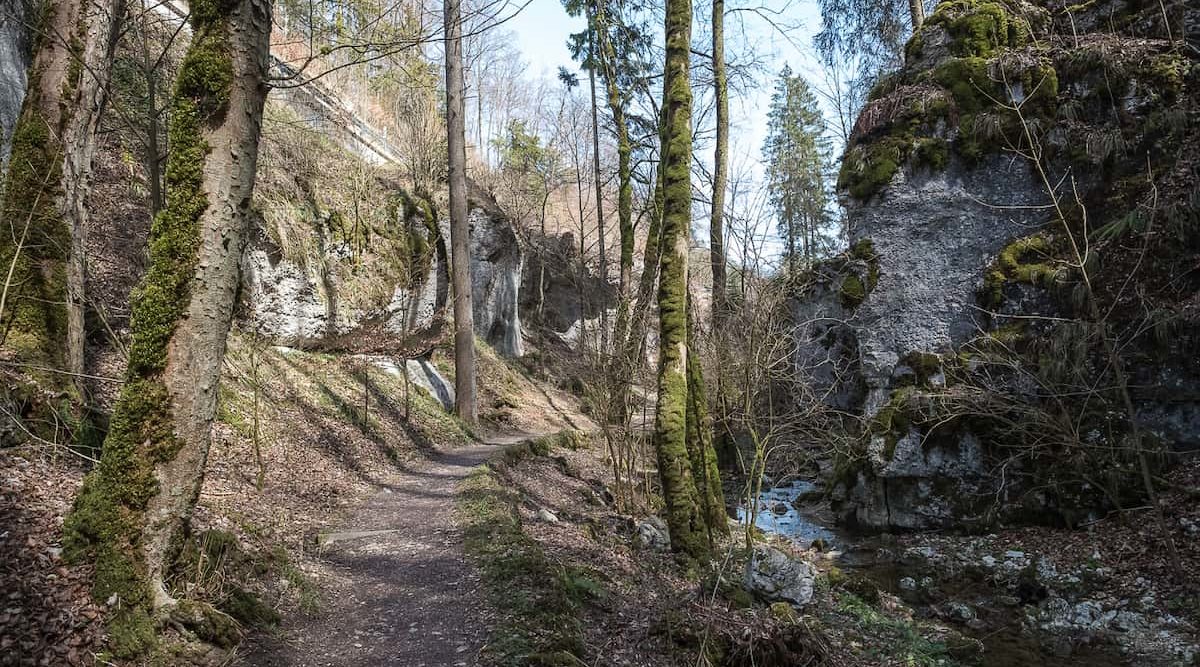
[(1027, 260), (852, 291), (895, 419), (538, 600), (978, 28)]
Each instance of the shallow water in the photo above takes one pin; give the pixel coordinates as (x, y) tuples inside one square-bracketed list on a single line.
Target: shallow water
[(777, 513), (1005, 644)]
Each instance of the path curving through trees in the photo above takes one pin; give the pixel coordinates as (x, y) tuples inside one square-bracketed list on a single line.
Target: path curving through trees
[(401, 590)]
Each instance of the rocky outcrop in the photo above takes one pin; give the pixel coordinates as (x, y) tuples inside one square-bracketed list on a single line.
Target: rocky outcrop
[(569, 291), (496, 262), (14, 64), (314, 303), (960, 327)]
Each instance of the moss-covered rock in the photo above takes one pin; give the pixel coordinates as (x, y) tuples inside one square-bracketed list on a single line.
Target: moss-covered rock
[(1027, 260), (979, 28)]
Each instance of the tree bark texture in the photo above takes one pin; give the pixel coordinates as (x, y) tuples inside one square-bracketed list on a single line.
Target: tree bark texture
[(103, 22), (134, 510), (701, 450), (460, 228), (37, 240), (716, 230), (684, 518), (916, 9)]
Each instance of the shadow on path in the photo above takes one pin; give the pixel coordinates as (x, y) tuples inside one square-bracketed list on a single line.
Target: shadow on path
[(401, 594)]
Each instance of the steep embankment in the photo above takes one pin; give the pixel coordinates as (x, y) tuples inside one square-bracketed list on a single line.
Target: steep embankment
[(1017, 322)]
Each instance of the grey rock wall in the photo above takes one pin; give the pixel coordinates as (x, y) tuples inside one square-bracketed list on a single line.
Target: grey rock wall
[(303, 306), (496, 262), (14, 66), (934, 234)]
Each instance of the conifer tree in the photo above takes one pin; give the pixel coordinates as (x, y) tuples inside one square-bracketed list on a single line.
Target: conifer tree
[(796, 153)]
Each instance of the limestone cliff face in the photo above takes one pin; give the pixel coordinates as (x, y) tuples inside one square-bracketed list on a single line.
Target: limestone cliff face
[(14, 66), (959, 326), (315, 303)]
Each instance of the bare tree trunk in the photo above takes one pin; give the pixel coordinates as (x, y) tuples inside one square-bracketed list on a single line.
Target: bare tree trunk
[(916, 10), (541, 258), (616, 106), (103, 21), (603, 269), (716, 228), (460, 229), (135, 508)]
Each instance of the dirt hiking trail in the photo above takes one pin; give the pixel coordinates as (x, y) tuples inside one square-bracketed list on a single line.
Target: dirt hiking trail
[(397, 587)]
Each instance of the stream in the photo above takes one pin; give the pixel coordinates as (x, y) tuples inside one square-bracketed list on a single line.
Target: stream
[(797, 511)]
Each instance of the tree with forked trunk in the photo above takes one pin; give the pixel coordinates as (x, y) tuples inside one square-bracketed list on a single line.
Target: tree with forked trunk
[(134, 510)]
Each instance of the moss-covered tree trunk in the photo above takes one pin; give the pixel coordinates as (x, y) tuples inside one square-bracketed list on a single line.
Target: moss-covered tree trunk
[(46, 190), (33, 304), (700, 448), (684, 517), (134, 509)]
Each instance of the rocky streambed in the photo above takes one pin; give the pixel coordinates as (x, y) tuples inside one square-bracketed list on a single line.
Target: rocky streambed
[(1031, 597)]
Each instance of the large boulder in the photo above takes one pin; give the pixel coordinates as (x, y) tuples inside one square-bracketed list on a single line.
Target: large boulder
[(776, 577)]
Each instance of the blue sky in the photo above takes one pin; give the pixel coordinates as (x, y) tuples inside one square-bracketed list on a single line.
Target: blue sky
[(542, 29)]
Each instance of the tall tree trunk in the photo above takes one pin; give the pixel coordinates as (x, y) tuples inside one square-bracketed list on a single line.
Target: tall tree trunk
[(700, 447), (103, 21), (135, 508), (47, 188), (603, 269), (684, 518), (37, 242), (460, 228), (608, 58), (716, 229), (916, 10)]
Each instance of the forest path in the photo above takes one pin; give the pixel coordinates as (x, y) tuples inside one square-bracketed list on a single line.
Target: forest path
[(399, 589)]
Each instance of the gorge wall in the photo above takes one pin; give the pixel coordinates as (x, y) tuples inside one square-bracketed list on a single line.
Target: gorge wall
[(1022, 207), (14, 64)]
